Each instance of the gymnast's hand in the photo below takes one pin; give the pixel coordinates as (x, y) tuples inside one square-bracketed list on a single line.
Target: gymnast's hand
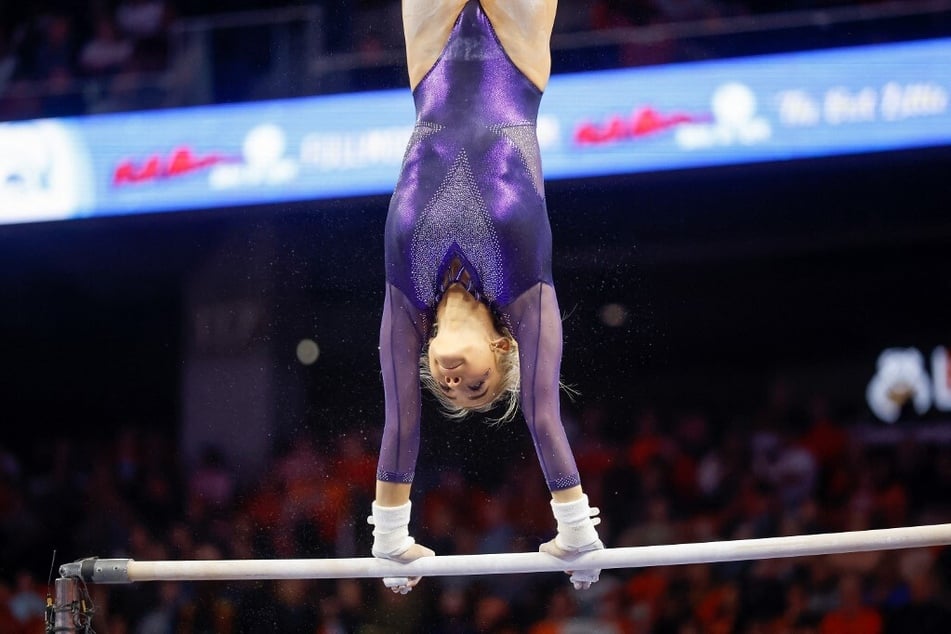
[(402, 585), (391, 541), (576, 535)]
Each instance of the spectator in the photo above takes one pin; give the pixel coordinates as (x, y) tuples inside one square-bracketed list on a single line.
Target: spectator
[(55, 52), (107, 52), (211, 487), (608, 14), (656, 528), (493, 615), (162, 618), (851, 615), (294, 609), (683, 10), (796, 616), (146, 23), (26, 605), (342, 611), (53, 64), (561, 609), (279, 516), (142, 19), (925, 613), (8, 60)]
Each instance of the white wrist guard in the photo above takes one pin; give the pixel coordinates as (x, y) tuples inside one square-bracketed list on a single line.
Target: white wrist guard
[(576, 522), (391, 530)]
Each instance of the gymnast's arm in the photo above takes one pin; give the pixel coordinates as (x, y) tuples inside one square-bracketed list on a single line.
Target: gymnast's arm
[(401, 337), (536, 322), (524, 28)]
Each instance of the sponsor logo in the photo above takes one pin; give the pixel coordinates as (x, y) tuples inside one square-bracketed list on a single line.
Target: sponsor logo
[(354, 149), (181, 161), (263, 161), (735, 121), (892, 102), (42, 174), (902, 379), (643, 122)]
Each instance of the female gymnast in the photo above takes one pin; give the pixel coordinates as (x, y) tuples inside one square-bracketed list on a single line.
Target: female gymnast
[(470, 309)]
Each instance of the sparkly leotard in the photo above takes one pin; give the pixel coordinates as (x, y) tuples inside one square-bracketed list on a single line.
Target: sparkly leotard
[(471, 191)]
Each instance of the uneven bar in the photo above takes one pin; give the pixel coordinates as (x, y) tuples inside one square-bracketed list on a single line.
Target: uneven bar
[(129, 570)]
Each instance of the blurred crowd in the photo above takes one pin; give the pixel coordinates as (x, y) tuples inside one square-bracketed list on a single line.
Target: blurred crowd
[(60, 58), (659, 478)]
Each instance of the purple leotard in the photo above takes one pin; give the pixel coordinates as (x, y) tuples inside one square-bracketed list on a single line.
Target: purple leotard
[(471, 190)]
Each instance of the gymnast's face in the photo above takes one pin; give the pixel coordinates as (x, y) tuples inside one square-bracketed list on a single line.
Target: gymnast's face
[(464, 362)]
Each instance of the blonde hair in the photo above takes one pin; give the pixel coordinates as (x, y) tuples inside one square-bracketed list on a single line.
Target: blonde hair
[(509, 384)]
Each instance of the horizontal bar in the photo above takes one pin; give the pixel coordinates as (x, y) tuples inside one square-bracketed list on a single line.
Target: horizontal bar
[(129, 570)]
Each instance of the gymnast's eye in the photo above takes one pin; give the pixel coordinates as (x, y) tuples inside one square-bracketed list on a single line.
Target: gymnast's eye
[(477, 386)]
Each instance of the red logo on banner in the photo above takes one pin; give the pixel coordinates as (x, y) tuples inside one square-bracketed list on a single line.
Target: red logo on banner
[(642, 122), (156, 167)]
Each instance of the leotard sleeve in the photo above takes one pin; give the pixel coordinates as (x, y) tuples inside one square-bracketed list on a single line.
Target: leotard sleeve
[(536, 324), (402, 332)]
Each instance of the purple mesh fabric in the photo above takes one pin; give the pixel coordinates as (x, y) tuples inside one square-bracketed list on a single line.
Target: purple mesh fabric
[(471, 188), (536, 324), (401, 339)]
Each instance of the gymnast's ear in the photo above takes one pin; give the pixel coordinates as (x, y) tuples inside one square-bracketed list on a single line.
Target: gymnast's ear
[(502, 344)]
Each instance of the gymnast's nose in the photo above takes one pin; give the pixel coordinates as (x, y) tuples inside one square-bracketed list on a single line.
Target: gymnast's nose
[(453, 381)]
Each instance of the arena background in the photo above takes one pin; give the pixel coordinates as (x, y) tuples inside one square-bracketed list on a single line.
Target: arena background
[(731, 309)]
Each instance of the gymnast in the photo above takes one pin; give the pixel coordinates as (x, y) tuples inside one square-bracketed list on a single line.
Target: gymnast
[(470, 309)]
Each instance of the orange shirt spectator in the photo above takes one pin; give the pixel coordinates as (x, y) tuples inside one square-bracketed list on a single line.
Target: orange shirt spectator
[(851, 617), (861, 621)]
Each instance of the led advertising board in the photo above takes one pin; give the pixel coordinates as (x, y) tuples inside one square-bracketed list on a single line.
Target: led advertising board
[(767, 108)]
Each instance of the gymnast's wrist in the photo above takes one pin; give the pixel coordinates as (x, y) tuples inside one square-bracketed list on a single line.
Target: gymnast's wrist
[(390, 530), (576, 524)]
